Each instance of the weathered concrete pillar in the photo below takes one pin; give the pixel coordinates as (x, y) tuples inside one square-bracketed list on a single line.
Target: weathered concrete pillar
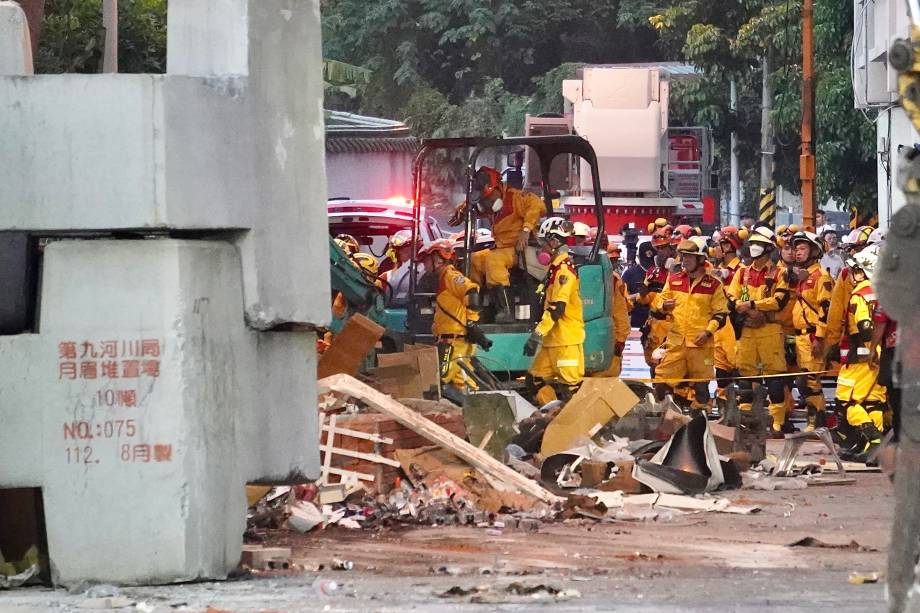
[(15, 45), (154, 387)]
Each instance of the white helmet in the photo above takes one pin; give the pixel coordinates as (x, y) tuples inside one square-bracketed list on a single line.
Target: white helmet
[(556, 227), (866, 260), (878, 236), (580, 229)]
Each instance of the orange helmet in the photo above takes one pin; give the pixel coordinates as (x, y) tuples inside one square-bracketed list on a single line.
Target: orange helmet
[(444, 247), (680, 234), (661, 237), (733, 236), (613, 251)]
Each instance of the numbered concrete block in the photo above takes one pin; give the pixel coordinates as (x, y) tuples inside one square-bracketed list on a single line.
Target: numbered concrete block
[(145, 405)]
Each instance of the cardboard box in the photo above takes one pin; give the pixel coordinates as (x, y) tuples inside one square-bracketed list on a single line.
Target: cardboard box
[(414, 373), (350, 347), (597, 402)]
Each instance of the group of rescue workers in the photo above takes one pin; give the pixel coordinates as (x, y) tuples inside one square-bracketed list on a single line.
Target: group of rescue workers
[(750, 308)]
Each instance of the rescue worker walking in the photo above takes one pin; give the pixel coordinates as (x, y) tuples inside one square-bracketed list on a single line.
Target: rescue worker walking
[(859, 392), (809, 316), (757, 293), (695, 303), (557, 340), (455, 315), (514, 215)]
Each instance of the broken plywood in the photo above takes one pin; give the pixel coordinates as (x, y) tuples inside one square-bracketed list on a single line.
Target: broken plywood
[(491, 469)]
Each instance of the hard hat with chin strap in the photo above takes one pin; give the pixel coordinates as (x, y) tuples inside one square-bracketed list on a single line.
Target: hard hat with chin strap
[(555, 227), (486, 192), (811, 238)]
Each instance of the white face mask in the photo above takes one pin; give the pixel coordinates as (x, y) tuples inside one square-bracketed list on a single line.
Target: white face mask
[(756, 250)]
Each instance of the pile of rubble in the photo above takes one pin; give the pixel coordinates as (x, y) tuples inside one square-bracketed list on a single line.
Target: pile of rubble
[(611, 453), (499, 462)]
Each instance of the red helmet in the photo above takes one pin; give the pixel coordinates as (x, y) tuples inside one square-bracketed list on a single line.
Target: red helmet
[(733, 236), (486, 181), (661, 237), (444, 247)]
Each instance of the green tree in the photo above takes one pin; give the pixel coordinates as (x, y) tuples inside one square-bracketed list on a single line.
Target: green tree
[(727, 40), (73, 38)]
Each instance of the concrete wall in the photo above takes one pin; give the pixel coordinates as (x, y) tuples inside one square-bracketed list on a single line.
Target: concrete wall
[(15, 49), (893, 129), (233, 149), (154, 388), (369, 175)]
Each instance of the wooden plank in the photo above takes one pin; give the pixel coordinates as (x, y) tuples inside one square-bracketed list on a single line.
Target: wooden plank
[(370, 457), (480, 460), (362, 435), (327, 461), (349, 473), (485, 440)]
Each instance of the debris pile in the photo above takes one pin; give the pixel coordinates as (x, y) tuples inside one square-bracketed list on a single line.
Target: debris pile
[(500, 462)]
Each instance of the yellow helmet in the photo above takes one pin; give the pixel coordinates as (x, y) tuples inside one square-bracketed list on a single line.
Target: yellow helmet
[(348, 243), (366, 262)]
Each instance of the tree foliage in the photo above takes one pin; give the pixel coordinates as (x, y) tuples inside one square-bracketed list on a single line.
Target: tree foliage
[(471, 57), (73, 39), (728, 41)]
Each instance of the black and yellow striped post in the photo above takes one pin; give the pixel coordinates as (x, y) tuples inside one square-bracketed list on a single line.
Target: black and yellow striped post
[(767, 210)]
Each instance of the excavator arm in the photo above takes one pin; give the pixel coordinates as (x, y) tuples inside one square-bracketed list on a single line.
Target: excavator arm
[(361, 293)]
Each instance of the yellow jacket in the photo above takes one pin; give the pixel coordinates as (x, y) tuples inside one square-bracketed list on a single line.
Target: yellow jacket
[(809, 315), (563, 322), (861, 313), (520, 211), (619, 308), (837, 311), (700, 305), (766, 287), (451, 313)]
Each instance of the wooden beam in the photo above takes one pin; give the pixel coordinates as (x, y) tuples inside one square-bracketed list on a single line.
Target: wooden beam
[(489, 466)]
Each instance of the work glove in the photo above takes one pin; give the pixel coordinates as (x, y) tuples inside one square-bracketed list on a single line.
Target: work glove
[(532, 345), (474, 334)]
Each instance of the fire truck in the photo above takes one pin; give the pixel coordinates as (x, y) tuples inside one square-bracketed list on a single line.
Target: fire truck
[(648, 169)]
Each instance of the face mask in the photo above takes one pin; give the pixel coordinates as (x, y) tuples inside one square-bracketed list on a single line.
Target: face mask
[(670, 264), (544, 258), (756, 250)]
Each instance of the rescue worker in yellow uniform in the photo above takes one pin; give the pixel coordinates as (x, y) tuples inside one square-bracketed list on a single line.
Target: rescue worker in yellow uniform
[(859, 392), (514, 216), (656, 326), (695, 303), (854, 242), (730, 241), (757, 293), (558, 339), (455, 314), (619, 309), (814, 287)]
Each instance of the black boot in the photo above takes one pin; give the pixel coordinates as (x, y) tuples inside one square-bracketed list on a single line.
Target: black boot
[(873, 438), (504, 305)]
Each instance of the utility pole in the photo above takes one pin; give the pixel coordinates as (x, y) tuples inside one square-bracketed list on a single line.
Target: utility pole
[(734, 211), (110, 24), (807, 159), (767, 209)]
